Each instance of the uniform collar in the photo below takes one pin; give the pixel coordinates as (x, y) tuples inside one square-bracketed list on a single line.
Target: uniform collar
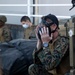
[(55, 39)]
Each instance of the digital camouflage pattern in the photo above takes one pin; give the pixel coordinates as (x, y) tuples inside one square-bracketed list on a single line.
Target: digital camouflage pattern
[(5, 34), (49, 58)]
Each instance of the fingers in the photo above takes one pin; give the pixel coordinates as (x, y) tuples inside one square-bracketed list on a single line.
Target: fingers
[(36, 32), (47, 31), (51, 36), (43, 31), (37, 28), (40, 32)]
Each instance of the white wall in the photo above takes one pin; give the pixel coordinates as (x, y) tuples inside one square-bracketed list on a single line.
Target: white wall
[(59, 11), (55, 1), (13, 1), (14, 10)]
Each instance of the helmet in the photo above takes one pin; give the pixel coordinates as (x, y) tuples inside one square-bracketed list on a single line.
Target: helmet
[(3, 18)]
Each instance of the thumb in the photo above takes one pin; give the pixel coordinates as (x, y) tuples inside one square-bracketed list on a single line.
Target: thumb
[(51, 36)]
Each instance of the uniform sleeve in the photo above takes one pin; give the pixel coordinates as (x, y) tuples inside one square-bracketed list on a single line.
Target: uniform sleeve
[(51, 60), (35, 57), (7, 34)]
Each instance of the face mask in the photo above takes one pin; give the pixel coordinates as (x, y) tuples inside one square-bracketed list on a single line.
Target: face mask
[(25, 25)]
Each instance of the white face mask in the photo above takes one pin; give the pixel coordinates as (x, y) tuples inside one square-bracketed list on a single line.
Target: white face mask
[(25, 25)]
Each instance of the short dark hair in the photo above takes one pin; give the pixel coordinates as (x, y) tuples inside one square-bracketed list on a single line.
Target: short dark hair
[(25, 18)]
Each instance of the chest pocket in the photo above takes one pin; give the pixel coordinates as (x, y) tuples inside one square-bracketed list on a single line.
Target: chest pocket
[(51, 46)]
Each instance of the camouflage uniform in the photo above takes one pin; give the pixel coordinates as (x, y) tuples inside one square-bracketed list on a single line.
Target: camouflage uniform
[(30, 33), (5, 34), (4, 31), (47, 59)]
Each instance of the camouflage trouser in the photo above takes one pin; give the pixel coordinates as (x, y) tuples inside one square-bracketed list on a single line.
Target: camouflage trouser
[(37, 70)]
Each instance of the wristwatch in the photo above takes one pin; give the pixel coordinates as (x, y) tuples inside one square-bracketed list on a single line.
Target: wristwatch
[(45, 44)]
